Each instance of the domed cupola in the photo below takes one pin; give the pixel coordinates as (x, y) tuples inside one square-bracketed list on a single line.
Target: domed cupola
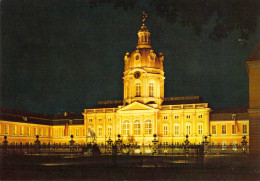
[(143, 75)]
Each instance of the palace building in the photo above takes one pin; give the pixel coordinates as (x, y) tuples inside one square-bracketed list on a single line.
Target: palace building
[(143, 112)]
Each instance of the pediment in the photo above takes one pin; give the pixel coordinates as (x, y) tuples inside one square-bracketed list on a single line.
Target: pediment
[(136, 106)]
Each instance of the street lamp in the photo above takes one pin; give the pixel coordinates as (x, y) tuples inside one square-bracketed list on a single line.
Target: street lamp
[(205, 144), (155, 141), (118, 142), (244, 144), (71, 143), (186, 146), (109, 141)]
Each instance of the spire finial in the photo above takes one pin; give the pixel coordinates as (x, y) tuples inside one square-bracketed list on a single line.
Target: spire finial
[(144, 16)]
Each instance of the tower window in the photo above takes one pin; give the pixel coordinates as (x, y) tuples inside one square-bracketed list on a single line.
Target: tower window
[(151, 91), (138, 90)]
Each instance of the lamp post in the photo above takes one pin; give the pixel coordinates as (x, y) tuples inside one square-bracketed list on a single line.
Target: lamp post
[(37, 143), (109, 141), (71, 143), (5, 144), (186, 146), (244, 144), (118, 142), (205, 144), (155, 141)]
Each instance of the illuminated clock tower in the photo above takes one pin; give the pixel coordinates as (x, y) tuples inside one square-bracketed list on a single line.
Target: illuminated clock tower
[(144, 75)]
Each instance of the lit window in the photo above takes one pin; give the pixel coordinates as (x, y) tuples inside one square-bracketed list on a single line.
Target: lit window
[(70, 132), (6, 129), (100, 131), (213, 129), (45, 132), (233, 129), (90, 120), (14, 130), (109, 119), (165, 117), (62, 132), (138, 90), (35, 131), (165, 129), (56, 132), (188, 116), (188, 129), (99, 119), (77, 132), (28, 131), (224, 129), (137, 128), (21, 130), (176, 117), (148, 127), (244, 129), (83, 132), (40, 131), (199, 116), (109, 131), (200, 129), (151, 91), (126, 128), (176, 129)]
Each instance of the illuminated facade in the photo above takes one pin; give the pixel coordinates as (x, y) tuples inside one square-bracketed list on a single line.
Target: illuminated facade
[(143, 112)]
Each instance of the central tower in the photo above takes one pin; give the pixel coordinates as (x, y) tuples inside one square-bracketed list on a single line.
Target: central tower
[(144, 75)]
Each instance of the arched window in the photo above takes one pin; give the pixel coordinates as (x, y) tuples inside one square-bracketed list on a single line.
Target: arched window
[(188, 127), (151, 91), (148, 127), (137, 90), (126, 128), (137, 128)]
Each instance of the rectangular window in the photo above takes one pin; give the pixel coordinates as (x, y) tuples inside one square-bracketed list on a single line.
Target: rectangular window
[(224, 129), (90, 120), (14, 130), (188, 129), (28, 131), (57, 132), (188, 116), (109, 119), (6, 129), (233, 129), (40, 131), (70, 131), (199, 116), (200, 129), (21, 130), (109, 131), (83, 131), (244, 129), (165, 129), (35, 131), (99, 119), (45, 132), (165, 117), (176, 117), (77, 132), (214, 129), (62, 132), (100, 131), (176, 129)]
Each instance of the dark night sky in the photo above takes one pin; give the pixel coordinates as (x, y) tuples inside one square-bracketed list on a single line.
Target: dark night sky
[(61, 56)]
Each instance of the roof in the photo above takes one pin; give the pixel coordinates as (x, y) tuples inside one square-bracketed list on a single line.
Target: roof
[(182, 100), (255, 56), (109, 104), (38, 118), (226, 114)]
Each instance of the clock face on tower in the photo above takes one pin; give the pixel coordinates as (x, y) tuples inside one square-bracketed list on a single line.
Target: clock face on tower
[(137, 75)]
